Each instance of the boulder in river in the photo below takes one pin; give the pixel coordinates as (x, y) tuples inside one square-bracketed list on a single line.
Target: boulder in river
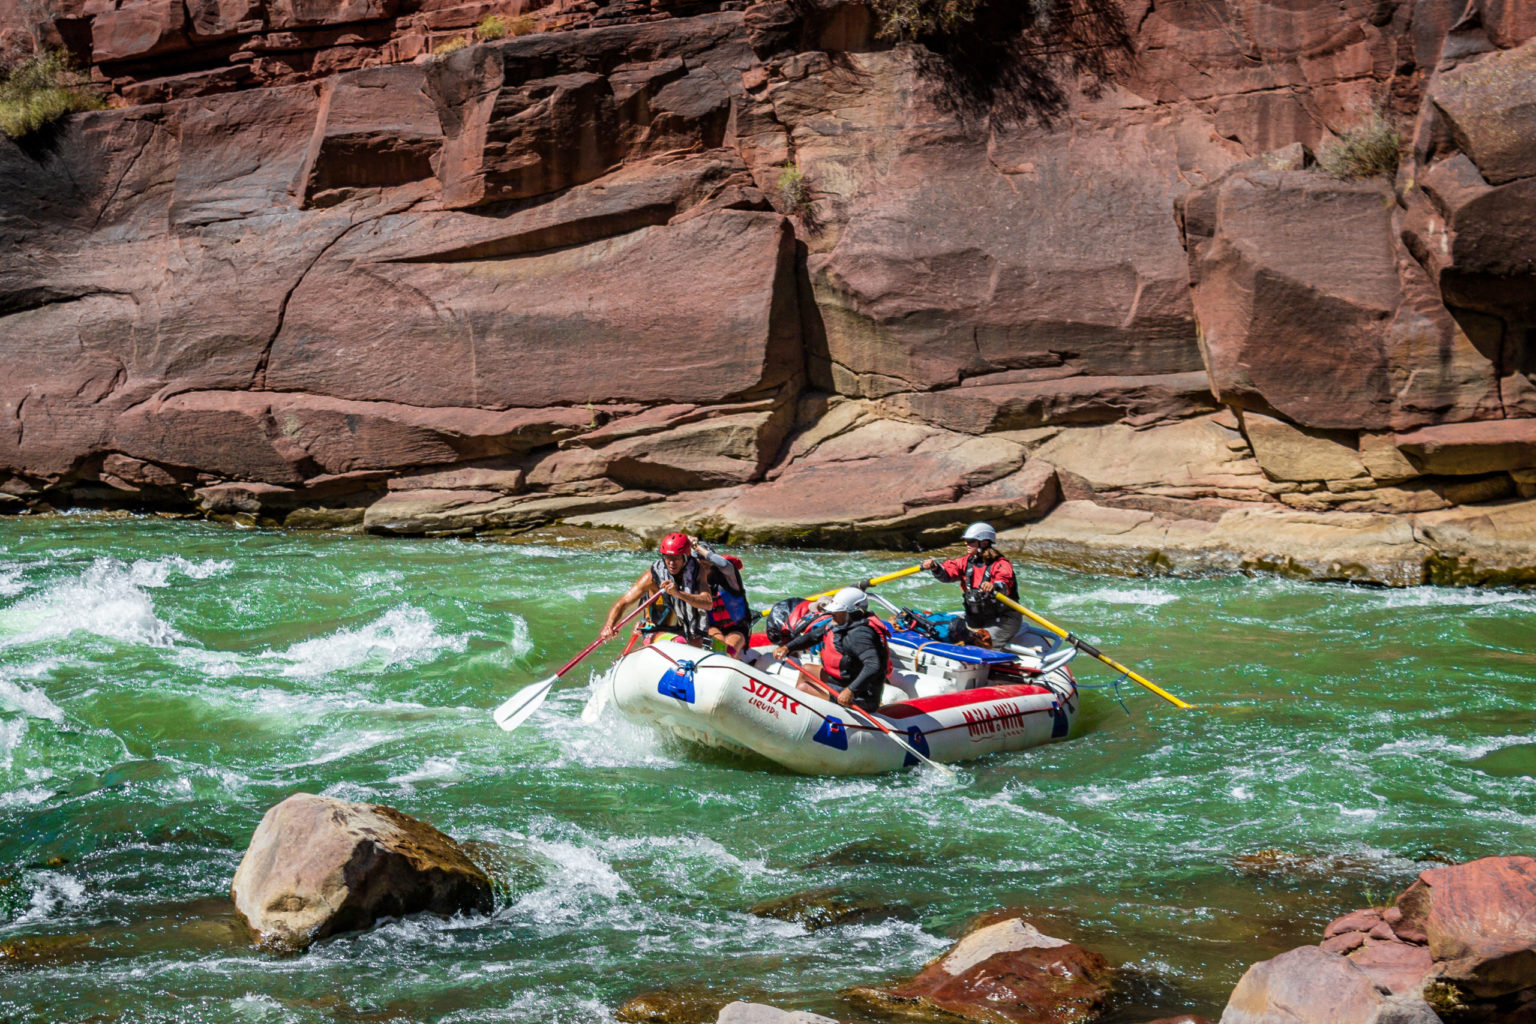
[(1459, 944), (759, 1013), (318, 866), (1006, 971)]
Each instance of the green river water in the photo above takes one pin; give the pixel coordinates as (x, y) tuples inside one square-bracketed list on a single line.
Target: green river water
[(162, 683)]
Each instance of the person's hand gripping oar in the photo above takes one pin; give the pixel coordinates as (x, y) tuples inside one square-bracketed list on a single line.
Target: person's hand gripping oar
[(516, 708), (1091, 651)]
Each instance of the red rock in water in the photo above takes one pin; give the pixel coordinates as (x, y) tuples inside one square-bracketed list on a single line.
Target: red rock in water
[(1006, 971), (1480, 923), (1461, 937)]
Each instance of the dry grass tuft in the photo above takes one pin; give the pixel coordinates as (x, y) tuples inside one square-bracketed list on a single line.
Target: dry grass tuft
[(39, 91)]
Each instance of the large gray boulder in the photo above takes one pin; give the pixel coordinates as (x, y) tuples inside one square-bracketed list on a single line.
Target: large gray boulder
[(318, 866)]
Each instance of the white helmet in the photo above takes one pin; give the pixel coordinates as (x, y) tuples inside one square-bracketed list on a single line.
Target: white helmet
[(848, 599), (980, 531)]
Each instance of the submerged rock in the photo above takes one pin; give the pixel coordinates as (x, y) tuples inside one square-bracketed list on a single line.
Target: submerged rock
[(1006, 971), (682, 1005), (815, 909), (318, 866)]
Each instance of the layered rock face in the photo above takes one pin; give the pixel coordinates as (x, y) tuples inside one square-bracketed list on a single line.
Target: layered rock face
[(560, 276)]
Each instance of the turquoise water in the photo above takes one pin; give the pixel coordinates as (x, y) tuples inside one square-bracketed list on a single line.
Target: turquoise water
[(162, 683)]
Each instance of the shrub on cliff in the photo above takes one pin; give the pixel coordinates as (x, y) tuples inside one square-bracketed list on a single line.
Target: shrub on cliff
[(794, 190), (39, 91), (911, 19), (491, 28), (447, 46), (1368, 149)]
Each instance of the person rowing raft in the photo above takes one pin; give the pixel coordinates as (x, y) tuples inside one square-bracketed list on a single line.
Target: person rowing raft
[(684, 582), (982, 571)]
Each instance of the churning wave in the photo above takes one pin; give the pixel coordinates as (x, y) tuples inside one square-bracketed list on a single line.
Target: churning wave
[(402, 636), (109, 599)]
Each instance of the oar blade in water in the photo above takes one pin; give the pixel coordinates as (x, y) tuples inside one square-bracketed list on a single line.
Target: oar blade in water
[(514, 711)]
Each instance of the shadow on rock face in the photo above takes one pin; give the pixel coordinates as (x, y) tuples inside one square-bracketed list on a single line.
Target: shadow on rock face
[(1009, 65)]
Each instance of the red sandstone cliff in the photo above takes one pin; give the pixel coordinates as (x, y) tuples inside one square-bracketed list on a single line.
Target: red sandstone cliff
[(554, 277)]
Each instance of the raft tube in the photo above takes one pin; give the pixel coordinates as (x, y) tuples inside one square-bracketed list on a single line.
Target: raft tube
[(933, 700)]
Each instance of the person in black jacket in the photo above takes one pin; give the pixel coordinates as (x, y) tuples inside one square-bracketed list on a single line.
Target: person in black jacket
[(855, 657)]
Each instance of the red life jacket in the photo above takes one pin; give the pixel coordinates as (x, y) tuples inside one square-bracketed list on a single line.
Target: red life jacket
[(980, 606), (832, 658), (802, 611), (730, 607)]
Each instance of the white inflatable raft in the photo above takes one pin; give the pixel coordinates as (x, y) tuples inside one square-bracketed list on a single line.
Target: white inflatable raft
[(951, 703)]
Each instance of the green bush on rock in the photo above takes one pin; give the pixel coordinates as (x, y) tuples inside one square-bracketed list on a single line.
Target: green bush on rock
[(1368, 149), (794, 189), (909, 19), (39, 91)]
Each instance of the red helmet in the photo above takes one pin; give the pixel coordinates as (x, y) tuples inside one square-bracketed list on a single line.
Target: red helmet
[(675, 544)]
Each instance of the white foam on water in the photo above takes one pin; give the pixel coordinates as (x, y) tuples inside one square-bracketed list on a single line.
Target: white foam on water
[(30, 701), (582, 885), (107, 599), (535, 1004), (715, 858), (157, 572), (1144, 597), (11, 733), (433, 769), (405, 635), (272, 701), (835, 788), (52, 892), (11, 582), (327, 749), (1446, 597), (1241, 793), (25, 797), (1435, 743), (610, 742), (520, 642), (351, 792)]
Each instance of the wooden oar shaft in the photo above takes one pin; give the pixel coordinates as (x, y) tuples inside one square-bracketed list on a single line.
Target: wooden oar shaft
[(1091, 650)]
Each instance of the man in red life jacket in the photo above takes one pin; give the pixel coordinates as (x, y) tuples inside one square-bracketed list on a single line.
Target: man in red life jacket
[(730, 617), (983, 572), (854, 655), (684, 582)]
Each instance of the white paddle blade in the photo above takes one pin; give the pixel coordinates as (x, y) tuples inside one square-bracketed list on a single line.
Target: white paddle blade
[(514, 711)]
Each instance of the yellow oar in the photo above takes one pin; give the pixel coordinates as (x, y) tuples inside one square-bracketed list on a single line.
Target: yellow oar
[(861, 585), (871, 582), (1089, 649)]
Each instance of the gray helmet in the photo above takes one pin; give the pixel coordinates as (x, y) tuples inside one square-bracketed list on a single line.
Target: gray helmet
[(980, 531), (848, 599)]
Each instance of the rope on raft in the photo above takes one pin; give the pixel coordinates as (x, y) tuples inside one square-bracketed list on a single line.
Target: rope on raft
[(1113, 685)]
